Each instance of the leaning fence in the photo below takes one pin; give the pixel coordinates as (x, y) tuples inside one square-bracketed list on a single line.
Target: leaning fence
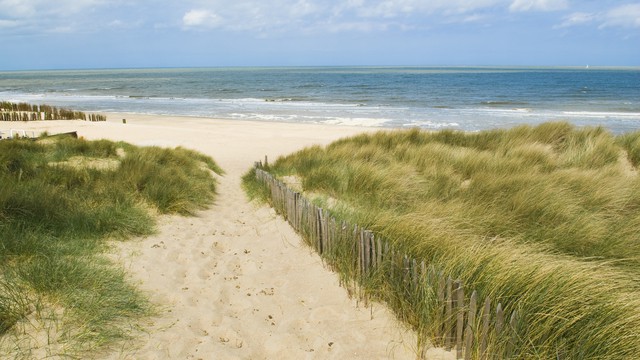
[(474, 329)]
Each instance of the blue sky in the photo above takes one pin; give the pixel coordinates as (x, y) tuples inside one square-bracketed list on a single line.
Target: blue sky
[(71, 34)]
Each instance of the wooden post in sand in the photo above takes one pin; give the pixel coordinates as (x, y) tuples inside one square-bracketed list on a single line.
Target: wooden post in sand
[(499, 319), (319, 230), (448, 339), (486, 317), (459, 299), (471, 321)]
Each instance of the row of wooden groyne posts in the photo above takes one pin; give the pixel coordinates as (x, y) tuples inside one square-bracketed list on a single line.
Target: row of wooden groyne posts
[(474, 328), (27, 112)]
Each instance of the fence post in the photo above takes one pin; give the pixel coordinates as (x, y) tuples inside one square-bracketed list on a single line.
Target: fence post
[(355, 236), (441, 304), (486, 317), (471, 323), (448, 314), (414, 274), (374, 251), (459, 317), (319, 231), (468, 342), (499, 319)]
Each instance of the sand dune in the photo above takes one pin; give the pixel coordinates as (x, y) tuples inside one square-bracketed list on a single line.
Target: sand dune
[(235, 282)]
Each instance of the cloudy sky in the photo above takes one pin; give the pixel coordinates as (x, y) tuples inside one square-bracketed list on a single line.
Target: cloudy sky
[(64, 34)]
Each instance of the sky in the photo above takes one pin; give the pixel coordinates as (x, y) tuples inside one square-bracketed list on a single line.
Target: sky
[(80, 34)]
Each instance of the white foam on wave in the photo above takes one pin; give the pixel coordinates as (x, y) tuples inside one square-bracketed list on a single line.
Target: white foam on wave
[(427, 124), (467, 118), (348, 121), (602, 114)]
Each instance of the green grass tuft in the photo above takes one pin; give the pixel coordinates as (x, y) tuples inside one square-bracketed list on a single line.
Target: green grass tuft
[(59, 201), (544, 219)]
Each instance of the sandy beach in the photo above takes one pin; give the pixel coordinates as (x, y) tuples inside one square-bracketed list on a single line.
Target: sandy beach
[(235, 282)]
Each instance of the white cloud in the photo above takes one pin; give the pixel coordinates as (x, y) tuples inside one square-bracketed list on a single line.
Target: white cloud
[(395, 8), (39, 8), (626, 16), (201, 18), (623, 16), (473, 18), (578, 18), (54, 17), (359, 26), (117, 24), (303, 8), (251, 15), (8, 23), (17, 8), (275, 17), (538, 5)]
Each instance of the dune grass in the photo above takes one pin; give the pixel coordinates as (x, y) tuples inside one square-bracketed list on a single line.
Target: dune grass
[(544, 219), (59, 203)]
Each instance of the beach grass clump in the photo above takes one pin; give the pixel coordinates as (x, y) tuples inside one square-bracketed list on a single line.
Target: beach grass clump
[(542, 219), (59, 203)]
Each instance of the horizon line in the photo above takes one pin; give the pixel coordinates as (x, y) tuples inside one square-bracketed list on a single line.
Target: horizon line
[(572, 67)]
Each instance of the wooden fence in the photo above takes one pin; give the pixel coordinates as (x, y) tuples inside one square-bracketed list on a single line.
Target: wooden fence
[(475, 330), (26, 112), (58, 115)]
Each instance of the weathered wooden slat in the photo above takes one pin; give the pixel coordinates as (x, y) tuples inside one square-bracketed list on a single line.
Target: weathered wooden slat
[(332, 236), (366, 251), (473, 309), (386, 254), (393, 272), (380, 251), (358, 250), (414, 274), (460, 310), (325, 231), (448, 338), (441, 305), (486, 318), (321, 234), (317, 228), (406, 270), (499, 319), (468, 343), (296, 211), (361, 251), (374, 251)]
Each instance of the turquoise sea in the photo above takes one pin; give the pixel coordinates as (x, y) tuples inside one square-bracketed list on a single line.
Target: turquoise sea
[(468, 98)]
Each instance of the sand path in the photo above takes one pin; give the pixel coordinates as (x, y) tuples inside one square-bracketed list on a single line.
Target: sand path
[(235, 282)]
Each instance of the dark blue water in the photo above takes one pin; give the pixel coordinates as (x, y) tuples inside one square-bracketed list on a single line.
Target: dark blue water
[(428, 97)]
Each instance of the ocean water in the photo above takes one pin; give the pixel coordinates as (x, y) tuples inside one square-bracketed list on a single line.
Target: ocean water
[(427, 97)]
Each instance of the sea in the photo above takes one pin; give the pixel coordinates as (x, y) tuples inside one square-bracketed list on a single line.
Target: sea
[(465, 98)]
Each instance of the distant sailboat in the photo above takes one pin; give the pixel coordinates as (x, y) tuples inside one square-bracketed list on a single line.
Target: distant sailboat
[(586, 67)]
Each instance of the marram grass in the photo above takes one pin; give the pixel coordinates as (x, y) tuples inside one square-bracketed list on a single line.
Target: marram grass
[(543, 219), (59, 201)]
